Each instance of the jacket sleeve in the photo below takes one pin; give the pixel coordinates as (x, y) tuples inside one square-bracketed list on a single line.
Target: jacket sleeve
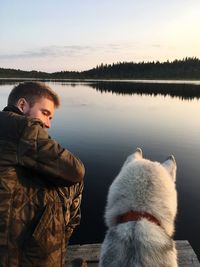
[(37, 151), (75, 212)]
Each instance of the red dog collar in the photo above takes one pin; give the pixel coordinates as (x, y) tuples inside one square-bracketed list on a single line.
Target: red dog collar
[(136, 216)]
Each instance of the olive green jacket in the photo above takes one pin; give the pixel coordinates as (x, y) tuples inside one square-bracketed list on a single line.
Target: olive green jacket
[(40, 193)]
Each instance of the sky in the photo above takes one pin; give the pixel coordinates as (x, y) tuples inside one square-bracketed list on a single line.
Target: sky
[(76, 35)]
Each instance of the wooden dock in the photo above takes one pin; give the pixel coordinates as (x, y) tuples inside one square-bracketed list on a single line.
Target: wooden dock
[(90, 253)]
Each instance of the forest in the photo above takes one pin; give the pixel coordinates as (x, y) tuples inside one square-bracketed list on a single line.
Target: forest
[(187, 69)]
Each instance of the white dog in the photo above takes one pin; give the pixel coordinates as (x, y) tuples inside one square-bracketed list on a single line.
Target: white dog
[(140, 213)]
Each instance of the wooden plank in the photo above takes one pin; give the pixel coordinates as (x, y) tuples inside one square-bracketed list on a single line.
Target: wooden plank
[(91, 252), (186, 255)]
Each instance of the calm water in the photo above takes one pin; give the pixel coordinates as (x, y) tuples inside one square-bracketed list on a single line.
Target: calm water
[(102, 127)]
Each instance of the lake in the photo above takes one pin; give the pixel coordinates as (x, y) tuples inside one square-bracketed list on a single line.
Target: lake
[(103, 122)]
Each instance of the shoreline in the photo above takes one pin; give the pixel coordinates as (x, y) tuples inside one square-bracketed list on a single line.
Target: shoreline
[(151, 81)]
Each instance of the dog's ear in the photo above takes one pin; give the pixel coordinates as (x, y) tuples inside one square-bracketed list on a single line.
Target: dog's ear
[(138, 154), (170, 166)]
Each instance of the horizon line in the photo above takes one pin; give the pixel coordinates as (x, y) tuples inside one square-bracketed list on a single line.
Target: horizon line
[(109, 64)]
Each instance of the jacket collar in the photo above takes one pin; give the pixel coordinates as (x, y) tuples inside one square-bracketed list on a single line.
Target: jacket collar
[(14, 109)]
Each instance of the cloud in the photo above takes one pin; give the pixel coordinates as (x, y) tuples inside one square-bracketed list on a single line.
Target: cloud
[(156, 46), (50, 51), (67, 51)]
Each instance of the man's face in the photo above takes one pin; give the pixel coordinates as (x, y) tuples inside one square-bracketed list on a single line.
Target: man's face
[(43, 109)]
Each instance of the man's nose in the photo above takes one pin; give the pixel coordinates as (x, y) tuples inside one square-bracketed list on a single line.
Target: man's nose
[(47, 124)]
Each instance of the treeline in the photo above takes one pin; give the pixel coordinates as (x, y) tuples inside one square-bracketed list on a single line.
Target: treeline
[(187, 68), (12, 73)]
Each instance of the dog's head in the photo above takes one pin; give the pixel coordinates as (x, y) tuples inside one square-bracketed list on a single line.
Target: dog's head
[(145, 186), (169, 164)]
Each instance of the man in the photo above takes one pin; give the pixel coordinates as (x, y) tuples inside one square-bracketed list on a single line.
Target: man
[(40, 182)]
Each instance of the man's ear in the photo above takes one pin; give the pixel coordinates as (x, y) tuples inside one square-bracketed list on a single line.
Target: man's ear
[(22, 105), (170, 166)]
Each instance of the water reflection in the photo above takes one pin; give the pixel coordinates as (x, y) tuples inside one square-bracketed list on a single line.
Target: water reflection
[(183, 91)]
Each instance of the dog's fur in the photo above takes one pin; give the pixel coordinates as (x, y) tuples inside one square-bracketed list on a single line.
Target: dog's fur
[(142, 186)]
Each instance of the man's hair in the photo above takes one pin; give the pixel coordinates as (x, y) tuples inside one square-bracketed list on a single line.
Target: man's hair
[(32, 92)]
